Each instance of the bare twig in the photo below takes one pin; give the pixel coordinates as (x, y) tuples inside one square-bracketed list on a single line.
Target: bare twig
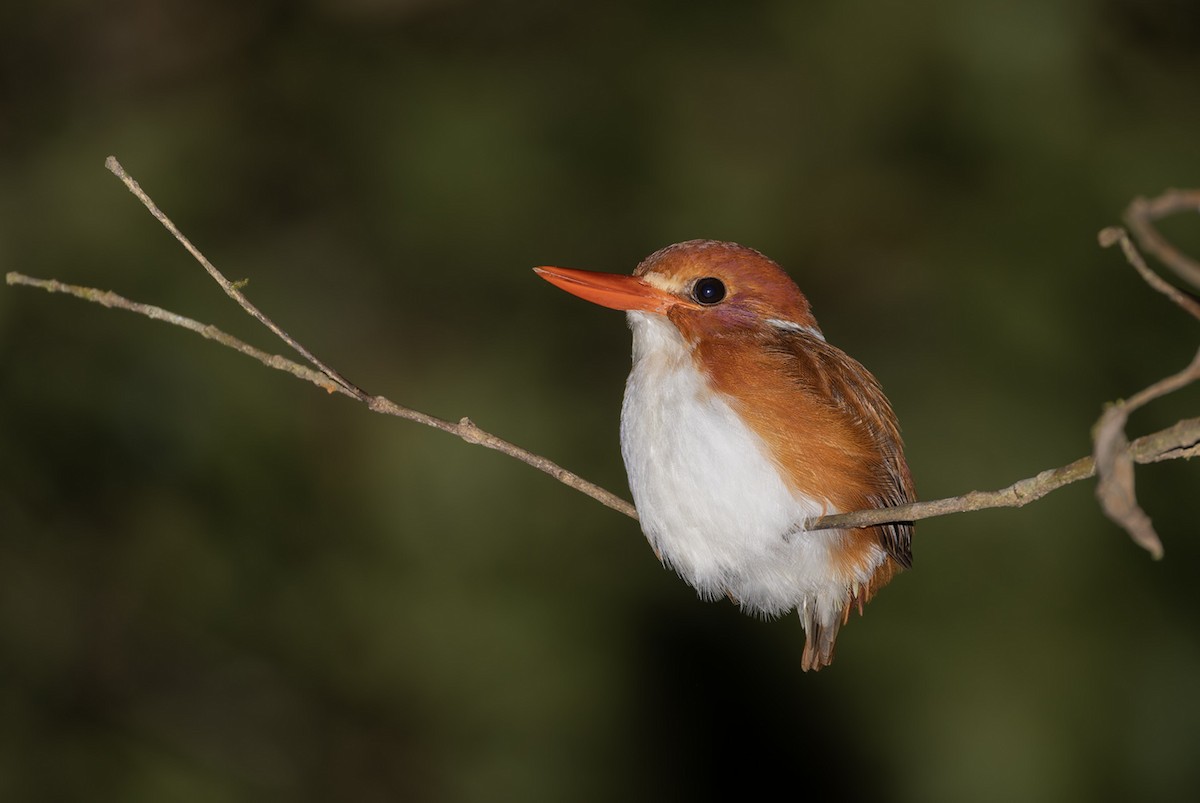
[(229, 287), (1141, 215), (1179, 440), (1115, 235)]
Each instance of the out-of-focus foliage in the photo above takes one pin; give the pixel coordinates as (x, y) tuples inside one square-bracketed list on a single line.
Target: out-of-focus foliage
[(219, 585)]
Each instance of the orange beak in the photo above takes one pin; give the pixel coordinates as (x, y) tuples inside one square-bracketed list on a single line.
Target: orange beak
[(612, 290)]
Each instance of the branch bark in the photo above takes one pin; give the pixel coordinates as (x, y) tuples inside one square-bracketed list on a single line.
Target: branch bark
[(1141, 215), (1112, 459), (1179, 440)]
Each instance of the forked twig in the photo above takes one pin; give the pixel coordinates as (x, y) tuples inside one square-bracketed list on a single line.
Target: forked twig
[(1141, 216), (229, 287)]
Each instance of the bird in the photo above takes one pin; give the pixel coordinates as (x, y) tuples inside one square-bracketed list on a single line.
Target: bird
[(740, 422)]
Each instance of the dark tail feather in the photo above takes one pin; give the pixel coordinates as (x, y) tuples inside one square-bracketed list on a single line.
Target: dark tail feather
[(820, 637), (818, 641)]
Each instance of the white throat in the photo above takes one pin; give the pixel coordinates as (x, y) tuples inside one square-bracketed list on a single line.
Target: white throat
[(711, 502)]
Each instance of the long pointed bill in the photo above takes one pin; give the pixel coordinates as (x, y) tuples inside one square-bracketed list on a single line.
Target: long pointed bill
[(612, 290)]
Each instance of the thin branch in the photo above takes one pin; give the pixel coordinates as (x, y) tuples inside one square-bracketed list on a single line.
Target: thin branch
[(1176, 441), (230, 288), (1115, 235), (1141, 215)]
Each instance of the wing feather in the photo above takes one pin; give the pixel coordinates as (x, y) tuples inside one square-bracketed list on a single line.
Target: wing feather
[(827, 375)]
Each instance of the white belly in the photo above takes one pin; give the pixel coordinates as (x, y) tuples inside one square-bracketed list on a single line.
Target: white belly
[(711, 502)]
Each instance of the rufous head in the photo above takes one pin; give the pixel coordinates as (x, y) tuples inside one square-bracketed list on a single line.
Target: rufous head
[(705, 287)]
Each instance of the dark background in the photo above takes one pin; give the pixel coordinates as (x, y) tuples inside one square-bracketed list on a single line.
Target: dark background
[(220, 584)]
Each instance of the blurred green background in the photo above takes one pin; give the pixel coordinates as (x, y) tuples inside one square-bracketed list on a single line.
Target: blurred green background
[(220, 584)]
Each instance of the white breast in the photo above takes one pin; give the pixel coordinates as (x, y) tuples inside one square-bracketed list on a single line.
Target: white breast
[(711, 502)]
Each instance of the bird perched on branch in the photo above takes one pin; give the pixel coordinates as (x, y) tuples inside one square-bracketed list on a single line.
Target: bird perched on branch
[(739, 423)]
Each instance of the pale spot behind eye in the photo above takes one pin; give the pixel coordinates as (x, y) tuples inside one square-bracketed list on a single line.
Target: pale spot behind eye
[(792, 326)]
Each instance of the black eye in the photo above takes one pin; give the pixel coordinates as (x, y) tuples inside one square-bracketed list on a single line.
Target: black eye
[(709, 290)]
